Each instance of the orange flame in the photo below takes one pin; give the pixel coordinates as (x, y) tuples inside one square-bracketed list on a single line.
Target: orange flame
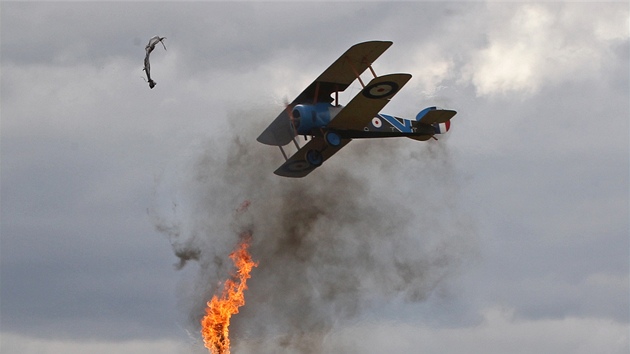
[(215, 324)]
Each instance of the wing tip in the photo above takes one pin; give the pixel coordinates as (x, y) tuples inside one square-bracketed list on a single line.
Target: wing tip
[(376, 43), (283, 172), (265, 138), (388, 43)]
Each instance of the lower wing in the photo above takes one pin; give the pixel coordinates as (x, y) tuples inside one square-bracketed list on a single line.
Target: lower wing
[(309, 157)]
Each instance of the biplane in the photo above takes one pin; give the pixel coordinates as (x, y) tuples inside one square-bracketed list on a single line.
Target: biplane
[(328, 126)]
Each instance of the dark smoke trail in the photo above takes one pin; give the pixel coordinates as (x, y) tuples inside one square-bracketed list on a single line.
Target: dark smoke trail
[(379, 221)]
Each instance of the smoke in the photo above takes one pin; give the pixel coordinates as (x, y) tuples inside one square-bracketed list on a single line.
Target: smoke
[(377, 222)]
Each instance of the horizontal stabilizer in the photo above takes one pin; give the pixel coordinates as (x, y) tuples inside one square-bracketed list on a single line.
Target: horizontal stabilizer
[(421, 137), (435, 115)]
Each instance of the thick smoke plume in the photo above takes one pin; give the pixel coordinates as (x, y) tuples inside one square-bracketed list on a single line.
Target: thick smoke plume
[(376, 223)]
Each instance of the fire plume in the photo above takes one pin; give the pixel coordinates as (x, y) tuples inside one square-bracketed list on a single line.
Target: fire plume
[(215, 324)]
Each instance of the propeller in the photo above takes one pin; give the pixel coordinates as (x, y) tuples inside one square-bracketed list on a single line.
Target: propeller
[(294, 121)]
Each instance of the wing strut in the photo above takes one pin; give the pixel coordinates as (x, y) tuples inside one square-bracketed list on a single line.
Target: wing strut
[(296, 143), (286, 158), (372, 70), (356, 72), (316, 92), (283, 153)]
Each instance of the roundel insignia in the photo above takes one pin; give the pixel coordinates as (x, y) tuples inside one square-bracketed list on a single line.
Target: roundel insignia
[(297, 166), (380, 89), (376, 122)]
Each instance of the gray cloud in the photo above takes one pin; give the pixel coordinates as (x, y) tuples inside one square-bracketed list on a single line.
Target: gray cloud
[(538, 169)]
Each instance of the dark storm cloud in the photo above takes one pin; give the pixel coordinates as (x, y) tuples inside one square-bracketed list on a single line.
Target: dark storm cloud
[(212, 36), (534, 157)]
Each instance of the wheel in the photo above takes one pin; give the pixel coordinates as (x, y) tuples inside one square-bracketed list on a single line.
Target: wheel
[(332, 138), (314, 157)]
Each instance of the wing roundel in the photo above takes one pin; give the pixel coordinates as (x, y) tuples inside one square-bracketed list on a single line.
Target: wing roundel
[(360, 111)]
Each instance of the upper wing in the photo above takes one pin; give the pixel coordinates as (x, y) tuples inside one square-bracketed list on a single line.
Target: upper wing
[(366, 105), (298, 165), (342, 72), (336, 78)]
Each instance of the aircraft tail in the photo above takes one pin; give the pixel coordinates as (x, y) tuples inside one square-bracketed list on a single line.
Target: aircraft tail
[(438, 118), (441, 128)]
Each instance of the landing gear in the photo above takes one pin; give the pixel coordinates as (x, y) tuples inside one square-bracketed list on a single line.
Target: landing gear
[(314, 157), (332, 139)]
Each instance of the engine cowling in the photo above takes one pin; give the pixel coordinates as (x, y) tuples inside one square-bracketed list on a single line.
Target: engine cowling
[(307, 117)]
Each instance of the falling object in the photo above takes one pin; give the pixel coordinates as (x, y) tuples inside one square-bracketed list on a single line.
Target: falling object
[(149, 48)]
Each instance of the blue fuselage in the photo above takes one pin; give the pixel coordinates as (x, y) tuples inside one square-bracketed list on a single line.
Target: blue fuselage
[(309, 117), (312, 119)]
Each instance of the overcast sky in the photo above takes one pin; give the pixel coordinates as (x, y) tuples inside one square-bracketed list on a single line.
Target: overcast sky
[(508, 235)]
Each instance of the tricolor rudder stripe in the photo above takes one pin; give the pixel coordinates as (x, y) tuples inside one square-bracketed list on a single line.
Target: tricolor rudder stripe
[(441, 128)]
